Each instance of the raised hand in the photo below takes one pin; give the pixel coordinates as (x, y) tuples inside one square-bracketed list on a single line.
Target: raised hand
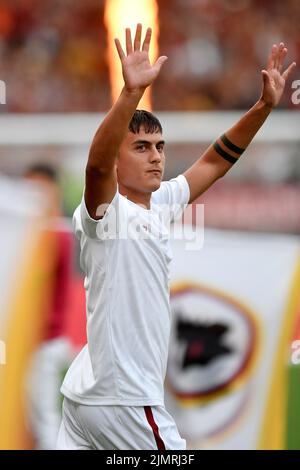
[(273, 78), (137, 71)]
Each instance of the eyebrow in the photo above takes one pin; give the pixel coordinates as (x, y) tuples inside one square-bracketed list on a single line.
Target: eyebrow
[(147, 142)]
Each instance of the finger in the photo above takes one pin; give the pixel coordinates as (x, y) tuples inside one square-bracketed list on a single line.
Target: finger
[(146, 43), (158, 64), (121, 53), (128, 41), (137, 39), (272, 57), (278, 55), (289, 70), (282, 58), (266, 77)]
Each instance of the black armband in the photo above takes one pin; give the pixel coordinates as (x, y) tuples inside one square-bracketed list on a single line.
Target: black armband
[(231, 146), (234, 148), (224, 154)]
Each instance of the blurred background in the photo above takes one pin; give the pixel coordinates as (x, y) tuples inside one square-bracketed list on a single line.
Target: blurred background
[(61, 76)]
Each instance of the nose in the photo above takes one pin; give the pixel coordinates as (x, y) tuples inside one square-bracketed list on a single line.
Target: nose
[(155, 155)]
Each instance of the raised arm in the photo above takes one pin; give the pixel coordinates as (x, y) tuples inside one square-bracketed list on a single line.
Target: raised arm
[(221, 155), (138, 74)]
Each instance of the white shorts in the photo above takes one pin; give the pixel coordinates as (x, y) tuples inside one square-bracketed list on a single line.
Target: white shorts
[(43, 381), (117, 428)]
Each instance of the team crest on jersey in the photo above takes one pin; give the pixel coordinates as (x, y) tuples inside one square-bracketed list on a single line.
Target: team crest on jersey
[(213, 346)]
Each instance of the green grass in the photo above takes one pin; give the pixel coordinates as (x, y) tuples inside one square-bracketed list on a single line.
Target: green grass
[(293, 411)]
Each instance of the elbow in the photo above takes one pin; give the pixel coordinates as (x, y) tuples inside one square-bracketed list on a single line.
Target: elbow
[(100, 162), (223, 169), (223, 173), (97, 169)]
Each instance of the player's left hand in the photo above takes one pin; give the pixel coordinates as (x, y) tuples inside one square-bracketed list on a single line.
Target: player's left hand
[(273, 78)]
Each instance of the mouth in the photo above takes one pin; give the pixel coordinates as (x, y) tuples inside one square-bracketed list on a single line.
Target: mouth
[(155, 172)]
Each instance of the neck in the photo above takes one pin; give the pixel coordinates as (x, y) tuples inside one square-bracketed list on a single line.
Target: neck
[(143, 199)]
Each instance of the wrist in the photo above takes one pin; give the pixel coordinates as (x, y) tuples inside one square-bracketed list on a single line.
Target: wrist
[(135, 93), (263, 105)]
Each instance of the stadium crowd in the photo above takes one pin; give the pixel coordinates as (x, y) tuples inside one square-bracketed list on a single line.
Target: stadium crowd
[(52, 53)]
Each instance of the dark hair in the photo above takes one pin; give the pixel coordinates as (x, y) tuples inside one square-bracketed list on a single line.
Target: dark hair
[(42, 169), (145, 119)]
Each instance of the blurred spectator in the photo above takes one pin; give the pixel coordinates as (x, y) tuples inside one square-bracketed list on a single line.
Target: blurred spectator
[(54, 354), (52, 53), (217, 48)]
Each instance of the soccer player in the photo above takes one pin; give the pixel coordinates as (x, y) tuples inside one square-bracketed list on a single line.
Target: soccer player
[(114, 389)]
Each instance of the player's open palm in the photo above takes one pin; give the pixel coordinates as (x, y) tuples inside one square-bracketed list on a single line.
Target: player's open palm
[(273, 78), (137, 71)]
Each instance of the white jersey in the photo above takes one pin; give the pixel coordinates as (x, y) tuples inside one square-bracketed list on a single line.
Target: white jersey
[(127, 300)]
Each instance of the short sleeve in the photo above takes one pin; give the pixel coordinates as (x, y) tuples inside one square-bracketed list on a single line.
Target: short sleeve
[(93, 228), (174, 193)]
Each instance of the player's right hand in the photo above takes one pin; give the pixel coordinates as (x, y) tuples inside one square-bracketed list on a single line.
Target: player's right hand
[(137, 71)]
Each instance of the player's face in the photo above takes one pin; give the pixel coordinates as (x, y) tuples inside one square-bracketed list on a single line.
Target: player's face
[(141, 161)]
